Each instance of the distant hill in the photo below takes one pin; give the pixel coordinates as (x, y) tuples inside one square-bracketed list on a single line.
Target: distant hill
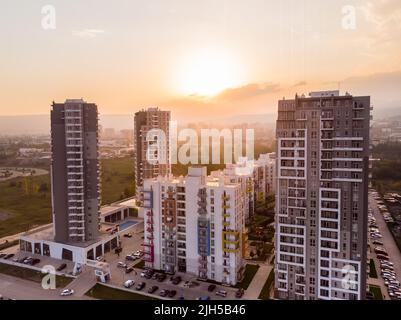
[(40, 124)]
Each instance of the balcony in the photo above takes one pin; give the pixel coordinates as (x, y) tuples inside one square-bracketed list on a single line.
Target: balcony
[(225, 197)]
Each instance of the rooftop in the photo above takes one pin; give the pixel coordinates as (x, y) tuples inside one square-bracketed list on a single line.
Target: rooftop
[(46, 234)]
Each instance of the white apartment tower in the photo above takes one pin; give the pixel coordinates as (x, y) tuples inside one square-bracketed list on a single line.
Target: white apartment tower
[(256, 177), (195, 225), (321, 201)]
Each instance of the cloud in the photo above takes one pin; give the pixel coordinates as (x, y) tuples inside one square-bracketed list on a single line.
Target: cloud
[(87, 33), (300, 84), (248, 91), (385, 15)]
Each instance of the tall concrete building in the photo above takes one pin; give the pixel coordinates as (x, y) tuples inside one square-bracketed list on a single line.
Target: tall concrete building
[(75, 171), (321, 201), (195, 225), (256, 177), (147, 165)]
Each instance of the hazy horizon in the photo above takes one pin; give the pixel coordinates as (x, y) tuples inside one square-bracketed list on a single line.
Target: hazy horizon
[(197, 58)]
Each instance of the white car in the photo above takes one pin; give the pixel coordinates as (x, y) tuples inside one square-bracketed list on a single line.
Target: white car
[(121, 265), (129, 283), (137, 253), (221, 293), (67, 292), (100, 258)]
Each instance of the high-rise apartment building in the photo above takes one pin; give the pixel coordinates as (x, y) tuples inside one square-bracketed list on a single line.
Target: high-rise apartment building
[(266, 185), (75, 171), (321, 202), (148, 164), (195, 225), (256, 177)]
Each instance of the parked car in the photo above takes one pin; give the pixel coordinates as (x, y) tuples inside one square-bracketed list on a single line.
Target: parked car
[(67, 292), (221, 293), (129, 283), (100, 258), (382, 257), (35, 261), (62, 267), (121, 265), (240, 292), (8, 256), (163, 293), (140, 286), (211, 288), (204, 298), (149, 275), (172, 293), (161, 277), (2, 255), (190, 284), (129, 270), (138, 253), (153, 289), (381, 251), (28, 260), (378, 242), (176, 280), (130, 257), (128, 235)]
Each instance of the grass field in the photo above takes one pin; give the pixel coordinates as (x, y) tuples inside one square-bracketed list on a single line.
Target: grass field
[(106, 293), (250, 271), (372, 269), (32, 275), (264, 294), (26, 202), (117, 179), (140, 264), (377, 293)]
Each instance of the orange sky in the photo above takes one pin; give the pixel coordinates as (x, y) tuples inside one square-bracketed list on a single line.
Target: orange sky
[(197, 58)]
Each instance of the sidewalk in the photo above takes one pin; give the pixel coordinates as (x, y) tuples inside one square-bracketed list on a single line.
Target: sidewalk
[(258, 281)]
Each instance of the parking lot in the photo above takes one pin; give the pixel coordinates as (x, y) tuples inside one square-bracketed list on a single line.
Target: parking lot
[(384, 250), (119, 276)]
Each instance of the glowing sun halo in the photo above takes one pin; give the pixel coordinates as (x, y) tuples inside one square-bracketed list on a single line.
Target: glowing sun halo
[(207, 73)]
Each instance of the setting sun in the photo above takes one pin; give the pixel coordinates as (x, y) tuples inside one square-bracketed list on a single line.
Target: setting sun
[(207, 73)]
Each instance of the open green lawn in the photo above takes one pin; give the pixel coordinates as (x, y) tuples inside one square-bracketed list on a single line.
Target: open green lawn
[(32, 275), (140, 264), (264, 294), (106, 293), (8, 244), (377, 293), (117, 179), (250, 271), (372, 269), (26, 202)]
